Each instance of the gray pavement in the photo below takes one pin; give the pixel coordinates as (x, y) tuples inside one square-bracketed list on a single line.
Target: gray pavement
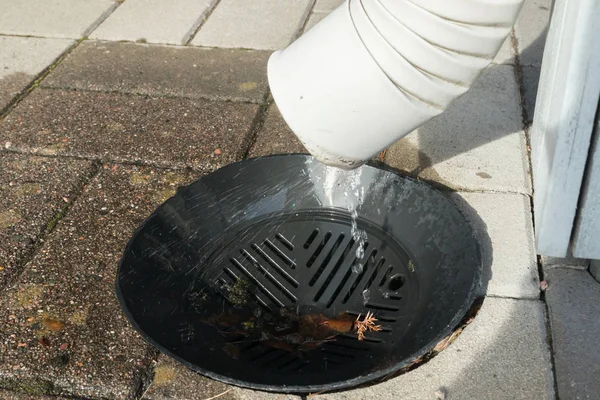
[(573, 298), (164, 71), (23, 59), (97, 130), (477, 144), (53, 18), (503, 354)]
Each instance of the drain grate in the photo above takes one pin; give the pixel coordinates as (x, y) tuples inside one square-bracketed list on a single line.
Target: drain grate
[(226, 286), (315, 267), (322, 259)]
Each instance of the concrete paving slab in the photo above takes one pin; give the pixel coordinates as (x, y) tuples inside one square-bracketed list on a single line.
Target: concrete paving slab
[(154, 21), (506, 54), (225, 74), (504, 227), (172, 380), (200, 134), (64, 332), (23, 59), (53, 18), (530, 31), (573, 299), (326, 6), (502, 354), (478, 143), (275, 137), (32, 191), (251, 24)]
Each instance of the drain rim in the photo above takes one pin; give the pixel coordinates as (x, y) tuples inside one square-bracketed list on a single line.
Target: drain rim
[(333, 386)]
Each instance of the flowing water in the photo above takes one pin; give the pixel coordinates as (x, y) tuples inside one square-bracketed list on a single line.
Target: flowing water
[(335, 182), (355, 195)]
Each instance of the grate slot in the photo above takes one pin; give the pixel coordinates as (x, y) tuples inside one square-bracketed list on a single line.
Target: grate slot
[(311, 239), (260, 286), (360, 276), (374, 273), (347, 346), (329, 278), (386, 318), (286, 243), (385, 277), (337, 284), (249, 347), (221, 281), (288, 261), (274, 357), (288, 363), (339, 354), (257, 357), (327, 260), (368, 339), (276, 266), (302, 365), (319, 249), (269, 276), (231, 274), (381, 307)]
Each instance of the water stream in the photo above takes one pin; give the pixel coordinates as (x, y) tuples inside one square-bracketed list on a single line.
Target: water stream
[(334, 182)]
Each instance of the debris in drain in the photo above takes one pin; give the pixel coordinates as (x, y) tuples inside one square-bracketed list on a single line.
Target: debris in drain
[(366, 325), (232, 350), (287, 331), (241, 321), (239, 293)]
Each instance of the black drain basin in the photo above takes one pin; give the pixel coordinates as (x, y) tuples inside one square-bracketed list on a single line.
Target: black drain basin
[(224, 276)]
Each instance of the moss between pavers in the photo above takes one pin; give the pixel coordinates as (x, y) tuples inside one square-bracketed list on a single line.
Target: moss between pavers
[(52, 223), (28, 385), (33, 190), (275, 137)]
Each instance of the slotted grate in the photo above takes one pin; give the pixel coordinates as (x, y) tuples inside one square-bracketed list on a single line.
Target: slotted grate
[(317, 266)]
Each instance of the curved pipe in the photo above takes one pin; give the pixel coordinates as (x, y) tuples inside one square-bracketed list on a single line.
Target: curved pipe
[(374, 70)]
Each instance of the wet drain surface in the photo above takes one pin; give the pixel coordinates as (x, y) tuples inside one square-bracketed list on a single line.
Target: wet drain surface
[(255, 274)]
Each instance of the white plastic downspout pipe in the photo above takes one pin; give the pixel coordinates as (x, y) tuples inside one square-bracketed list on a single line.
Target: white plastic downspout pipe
[(374, 70)]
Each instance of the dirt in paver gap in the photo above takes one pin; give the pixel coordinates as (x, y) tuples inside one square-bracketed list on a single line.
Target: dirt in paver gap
[(168, 132), (275, 137), (33, 191), (61, 328), (172, 380)]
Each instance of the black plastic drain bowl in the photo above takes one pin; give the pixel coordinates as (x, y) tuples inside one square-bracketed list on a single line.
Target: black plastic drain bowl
[(279, 229)]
